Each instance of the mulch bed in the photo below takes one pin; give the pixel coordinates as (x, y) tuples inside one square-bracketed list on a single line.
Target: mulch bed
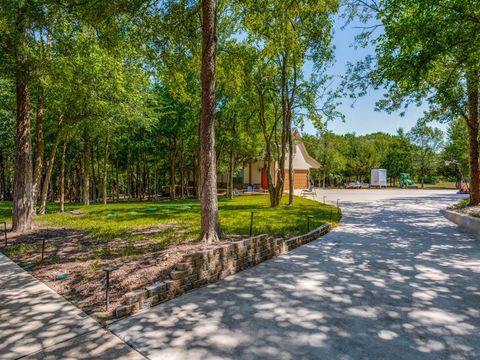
[(81, 258)]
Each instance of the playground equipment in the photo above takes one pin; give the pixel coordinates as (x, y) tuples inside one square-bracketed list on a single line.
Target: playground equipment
[(406, 182), (463, 184)]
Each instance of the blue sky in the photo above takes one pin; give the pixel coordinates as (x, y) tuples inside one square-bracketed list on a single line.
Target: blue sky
[(361, 117)]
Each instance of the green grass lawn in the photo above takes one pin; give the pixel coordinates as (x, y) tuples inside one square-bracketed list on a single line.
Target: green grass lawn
[(440, 185), (6, 211), (176, 221)]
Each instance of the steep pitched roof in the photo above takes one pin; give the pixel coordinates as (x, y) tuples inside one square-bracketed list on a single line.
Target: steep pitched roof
[(314, 164)]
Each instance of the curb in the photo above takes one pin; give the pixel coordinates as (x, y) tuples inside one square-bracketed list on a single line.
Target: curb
[(465, 222)]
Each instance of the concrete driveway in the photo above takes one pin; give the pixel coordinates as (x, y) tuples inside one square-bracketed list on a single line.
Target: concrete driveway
[(396, 281), (37, 323)]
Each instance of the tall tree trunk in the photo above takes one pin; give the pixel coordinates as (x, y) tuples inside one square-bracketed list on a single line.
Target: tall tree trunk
[(3, 172), (290, 103), (473, 128), (147, 179), (22, 193), (275, 187), (144, 186), (171, 173), (48, 173), (62, 176), (196, 176), (137, 180), (78, 183), (117, 180), (39, 147), (182, 172), (94, 177), (86, 169), (210, 223), (105, 168), (98, 176), (290, 167), (129, 176), (422, 180), (286, 129), (231, 166)]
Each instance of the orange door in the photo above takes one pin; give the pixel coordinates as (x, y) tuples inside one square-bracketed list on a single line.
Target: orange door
[(300, 180)]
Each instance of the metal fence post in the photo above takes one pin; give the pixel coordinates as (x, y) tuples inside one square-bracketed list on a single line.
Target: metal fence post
[(251, 224), (108, 270), (43, 248)]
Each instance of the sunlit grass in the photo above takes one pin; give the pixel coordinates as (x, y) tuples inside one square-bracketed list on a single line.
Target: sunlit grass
[(439, 185), (175, 221), (5, 212)]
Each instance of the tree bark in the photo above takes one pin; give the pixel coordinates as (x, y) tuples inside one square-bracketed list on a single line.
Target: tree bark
[(182, 172), (290, 167), (105, 169), (210, 224), (48, 173), (231, 167), (172, 163), (144, 183), (196, 176), (117, 180), (86, 169), (94, 177), (275, 188), (289, 114), (22, 193), (62, 176), (3, 173), (137, 180), (39, 147), (129, 176), (473, 128)]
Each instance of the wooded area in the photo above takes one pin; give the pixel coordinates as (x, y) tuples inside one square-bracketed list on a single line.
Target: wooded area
[(424, 152)]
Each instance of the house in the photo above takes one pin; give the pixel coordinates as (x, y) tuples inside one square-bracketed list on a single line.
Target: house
[(254, 173)]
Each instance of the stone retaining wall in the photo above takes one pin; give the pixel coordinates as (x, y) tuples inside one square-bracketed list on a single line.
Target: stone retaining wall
[(200, 268)]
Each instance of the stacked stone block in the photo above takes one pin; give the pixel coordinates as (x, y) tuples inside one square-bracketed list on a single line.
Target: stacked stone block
[(207, 266)]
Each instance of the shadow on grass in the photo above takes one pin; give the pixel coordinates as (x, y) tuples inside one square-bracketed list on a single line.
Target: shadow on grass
[(122, 219)]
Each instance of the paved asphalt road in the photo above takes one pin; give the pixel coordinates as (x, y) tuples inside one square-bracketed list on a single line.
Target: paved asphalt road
[(396, 281)]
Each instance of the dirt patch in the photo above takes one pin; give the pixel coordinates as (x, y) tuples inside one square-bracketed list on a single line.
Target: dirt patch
[(156, 229), (73, 264)]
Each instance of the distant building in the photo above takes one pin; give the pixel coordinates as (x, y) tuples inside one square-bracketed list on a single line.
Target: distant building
[(254, 173)]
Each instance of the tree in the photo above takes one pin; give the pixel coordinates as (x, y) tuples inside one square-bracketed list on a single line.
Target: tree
[(210, 223), (16, 19), (398, 157), (326, 148), (428, 141), (426, 52), (287, 35), (455, 152), (7, 134)]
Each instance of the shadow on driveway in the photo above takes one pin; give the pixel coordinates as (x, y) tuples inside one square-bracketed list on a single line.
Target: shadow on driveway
[(396, 281)]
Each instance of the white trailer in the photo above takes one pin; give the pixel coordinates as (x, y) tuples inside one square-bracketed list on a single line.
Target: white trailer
[(378, 178)]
